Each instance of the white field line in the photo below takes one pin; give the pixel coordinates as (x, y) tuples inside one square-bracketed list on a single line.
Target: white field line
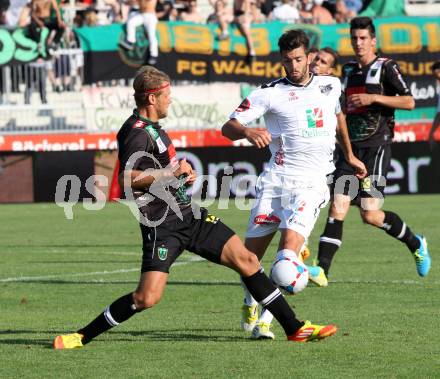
[(192, 259), (84, 252), (348, 281)]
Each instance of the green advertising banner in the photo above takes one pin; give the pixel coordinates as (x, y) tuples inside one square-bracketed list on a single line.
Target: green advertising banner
[(191, 51)]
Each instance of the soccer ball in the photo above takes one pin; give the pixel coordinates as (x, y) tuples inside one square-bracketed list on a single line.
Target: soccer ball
[(289, 274)]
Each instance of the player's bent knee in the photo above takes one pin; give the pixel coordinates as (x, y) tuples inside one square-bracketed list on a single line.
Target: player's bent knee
[(369, 217), (237, 257), (145, 301), (247, 263)]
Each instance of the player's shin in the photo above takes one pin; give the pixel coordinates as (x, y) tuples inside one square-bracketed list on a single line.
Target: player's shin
[(329, 243), (119, 311), (270, 297)]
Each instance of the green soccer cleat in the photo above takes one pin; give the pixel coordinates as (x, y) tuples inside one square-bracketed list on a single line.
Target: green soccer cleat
[(261, 331), (249, 317), (310, 332), (317, 276), (68, 341)]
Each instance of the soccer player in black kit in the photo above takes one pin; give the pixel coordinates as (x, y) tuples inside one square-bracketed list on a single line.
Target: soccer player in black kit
[(170, 223), (373, 88)]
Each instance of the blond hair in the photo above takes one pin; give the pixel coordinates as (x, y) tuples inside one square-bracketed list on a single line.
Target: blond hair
[(148, 79)]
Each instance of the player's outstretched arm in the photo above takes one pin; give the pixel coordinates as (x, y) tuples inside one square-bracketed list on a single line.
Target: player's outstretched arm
[(344, 142), (233, 130), (396, 102)]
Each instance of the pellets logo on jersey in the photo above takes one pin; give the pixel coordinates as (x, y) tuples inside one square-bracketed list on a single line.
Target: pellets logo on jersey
[(314, 118), (244, 106), (162, 253)]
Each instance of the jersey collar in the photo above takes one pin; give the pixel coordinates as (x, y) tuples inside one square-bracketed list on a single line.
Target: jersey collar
[(301, 85), (369, 64), (146, 120)]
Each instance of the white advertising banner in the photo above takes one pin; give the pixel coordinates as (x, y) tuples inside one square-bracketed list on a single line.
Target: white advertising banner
[(193, 106)]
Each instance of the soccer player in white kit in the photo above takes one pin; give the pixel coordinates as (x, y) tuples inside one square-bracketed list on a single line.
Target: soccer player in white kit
[(302, 116)]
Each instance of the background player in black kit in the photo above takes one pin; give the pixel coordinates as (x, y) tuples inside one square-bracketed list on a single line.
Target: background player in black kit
[(373, 88), (170, 224)]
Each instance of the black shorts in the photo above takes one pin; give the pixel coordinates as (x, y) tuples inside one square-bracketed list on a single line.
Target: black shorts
[(377, 160), (163, 244)]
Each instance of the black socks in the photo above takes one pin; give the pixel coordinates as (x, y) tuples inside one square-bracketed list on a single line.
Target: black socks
[(395, 227), (329, 243), (119, 311), (270, 297)]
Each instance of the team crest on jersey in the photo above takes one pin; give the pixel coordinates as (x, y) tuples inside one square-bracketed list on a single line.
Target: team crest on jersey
[(326, 89), (314, 118), (139, 124), (162, 253), (244, 106), (293, 96)]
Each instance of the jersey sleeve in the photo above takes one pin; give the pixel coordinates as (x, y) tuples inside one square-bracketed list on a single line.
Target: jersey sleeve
[(252, 107), (137, 141), (438, 98), (394, 79), (338, 94)]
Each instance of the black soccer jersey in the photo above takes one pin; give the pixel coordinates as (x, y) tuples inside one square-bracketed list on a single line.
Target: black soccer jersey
[(372, 125), (141, 136)]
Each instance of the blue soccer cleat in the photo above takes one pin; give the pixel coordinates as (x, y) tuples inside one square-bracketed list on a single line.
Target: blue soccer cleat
[(421, 255)]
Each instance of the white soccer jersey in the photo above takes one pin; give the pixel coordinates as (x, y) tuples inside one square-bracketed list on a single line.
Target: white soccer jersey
[(302, 122)]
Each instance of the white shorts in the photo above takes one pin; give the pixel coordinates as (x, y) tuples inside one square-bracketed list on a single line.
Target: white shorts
[(286, 203)]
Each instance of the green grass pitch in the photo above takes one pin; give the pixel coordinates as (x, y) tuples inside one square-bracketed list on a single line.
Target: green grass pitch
[(58, 274)]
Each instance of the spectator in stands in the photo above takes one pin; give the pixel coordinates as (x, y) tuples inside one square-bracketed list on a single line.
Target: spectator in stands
[(325, 62), (127, 8), (147, 17), (267, 6), (35, 76), (192, 14), (165, 10), (285, 12), (90, 17), (436, 122), (257, 17), (305, 11), (321, 15), (312, 12), (12, 15), (341, 12), (24, 18), (243, 20), (41, 12), (353, 7), (223, 17), (114, 14), (4, 5), (63, 71)]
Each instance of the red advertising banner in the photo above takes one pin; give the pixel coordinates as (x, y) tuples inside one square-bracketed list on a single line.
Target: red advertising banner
[(181, 139), (101, 141)]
